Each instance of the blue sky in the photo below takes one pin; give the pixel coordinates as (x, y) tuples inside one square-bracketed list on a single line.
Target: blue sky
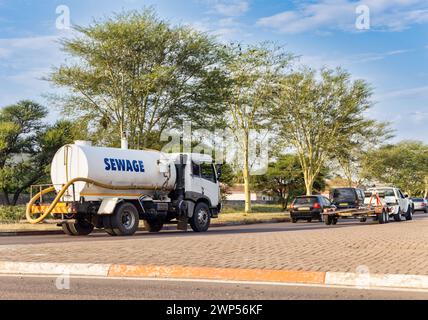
[(391, 55)]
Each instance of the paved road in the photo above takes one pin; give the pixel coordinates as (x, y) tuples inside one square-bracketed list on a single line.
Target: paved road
[(391, 248), (95, 289)]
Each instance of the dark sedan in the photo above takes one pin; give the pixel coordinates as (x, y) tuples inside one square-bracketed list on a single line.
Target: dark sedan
[(309, 208)]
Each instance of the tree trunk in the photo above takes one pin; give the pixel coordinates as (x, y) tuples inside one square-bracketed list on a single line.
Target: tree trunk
[(246, 176), (16, 197), (426, 187), (309, 185), (6, 198)]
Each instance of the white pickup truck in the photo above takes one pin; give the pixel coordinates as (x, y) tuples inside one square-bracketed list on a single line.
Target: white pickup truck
[(399, 204)]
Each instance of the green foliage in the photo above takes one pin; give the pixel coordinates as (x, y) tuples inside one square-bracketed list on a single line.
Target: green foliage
[(284, 180), (254, 74), (227, 179), (319, 114), (404, 165), (142, 75), (9, 214), (27, 146)]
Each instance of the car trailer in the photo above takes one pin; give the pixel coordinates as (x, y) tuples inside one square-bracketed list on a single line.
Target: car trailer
[(374, 209)]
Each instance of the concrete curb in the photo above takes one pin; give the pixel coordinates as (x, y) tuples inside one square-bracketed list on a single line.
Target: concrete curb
[(352, 280), (60, 232)]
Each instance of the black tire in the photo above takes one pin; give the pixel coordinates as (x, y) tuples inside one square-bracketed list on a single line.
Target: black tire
[(66, 229), (153, 226), (362, 220), (335, 220), (293, 220), (124, 221), (409, 214), (397, 217), (201, 219), (425, 210), (309, 220), (78, 228), (329, 220), (383, 218)]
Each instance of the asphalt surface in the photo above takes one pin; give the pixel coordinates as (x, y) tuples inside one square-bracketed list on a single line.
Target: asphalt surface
[(17, 288), (243, 229)]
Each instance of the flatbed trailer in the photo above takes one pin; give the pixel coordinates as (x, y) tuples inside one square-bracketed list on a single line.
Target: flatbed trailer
[(374, 209)]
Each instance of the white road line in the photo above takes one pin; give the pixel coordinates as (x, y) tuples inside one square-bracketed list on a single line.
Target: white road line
[(280, 284)]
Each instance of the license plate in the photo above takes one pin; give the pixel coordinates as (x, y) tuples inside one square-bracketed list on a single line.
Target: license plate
[(305, 209), (343, 204)]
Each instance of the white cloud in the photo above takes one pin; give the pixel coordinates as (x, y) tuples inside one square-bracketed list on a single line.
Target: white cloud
[(229, 8), (391, 15), (25, 61), (416, 92)]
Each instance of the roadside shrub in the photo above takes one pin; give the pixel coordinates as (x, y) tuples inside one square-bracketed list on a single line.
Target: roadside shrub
[(11, 214)]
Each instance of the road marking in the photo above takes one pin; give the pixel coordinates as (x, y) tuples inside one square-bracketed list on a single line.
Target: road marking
[(230, 282), (217, 274)]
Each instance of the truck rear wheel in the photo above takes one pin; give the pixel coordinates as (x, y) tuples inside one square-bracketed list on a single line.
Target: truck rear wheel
[(77, 228), (201, 219), (124, 221), (153, 226)]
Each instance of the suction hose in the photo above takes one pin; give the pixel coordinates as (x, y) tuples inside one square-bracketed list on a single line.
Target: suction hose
[(64, 189)]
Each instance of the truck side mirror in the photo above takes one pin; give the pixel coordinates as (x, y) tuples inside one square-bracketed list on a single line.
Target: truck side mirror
[(218, 169), (406, 195)]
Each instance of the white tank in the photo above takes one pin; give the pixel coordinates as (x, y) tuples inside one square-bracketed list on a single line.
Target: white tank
[(117, 167)]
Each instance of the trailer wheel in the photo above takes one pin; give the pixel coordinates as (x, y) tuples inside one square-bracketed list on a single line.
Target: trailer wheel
[(201, 219), (362, 220), (335, 220), (329, 220), (153, 226), (293, 220), (77, 228), (383, 217), (124, 221), (409, 214)]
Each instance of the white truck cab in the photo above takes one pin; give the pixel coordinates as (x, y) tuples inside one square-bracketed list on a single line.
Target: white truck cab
[(399, 204)]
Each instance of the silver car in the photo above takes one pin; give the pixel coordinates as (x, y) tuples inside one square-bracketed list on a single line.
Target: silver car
[(420, 204)]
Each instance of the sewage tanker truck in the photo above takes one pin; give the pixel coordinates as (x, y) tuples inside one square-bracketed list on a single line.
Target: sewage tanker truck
[(113, 189)]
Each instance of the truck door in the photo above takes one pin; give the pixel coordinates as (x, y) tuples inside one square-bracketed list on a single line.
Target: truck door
[(402, 201), (209, 186)]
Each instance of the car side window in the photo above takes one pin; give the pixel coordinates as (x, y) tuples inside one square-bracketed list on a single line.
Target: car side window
[(207, 172), (361, 195)]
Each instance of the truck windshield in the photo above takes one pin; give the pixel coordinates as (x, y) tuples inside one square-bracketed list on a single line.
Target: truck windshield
[(344, 194)]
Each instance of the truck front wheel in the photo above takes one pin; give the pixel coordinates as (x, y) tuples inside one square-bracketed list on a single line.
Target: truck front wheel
[(201, 219), (124, 221)]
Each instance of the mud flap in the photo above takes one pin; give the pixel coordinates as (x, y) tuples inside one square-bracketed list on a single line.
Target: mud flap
[(183, 208)]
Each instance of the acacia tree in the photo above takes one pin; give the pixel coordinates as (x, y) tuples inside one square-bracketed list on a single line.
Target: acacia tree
[(135, 73), (404, 165), (253, 77), (284, 179), (318, 114), (27, 146)]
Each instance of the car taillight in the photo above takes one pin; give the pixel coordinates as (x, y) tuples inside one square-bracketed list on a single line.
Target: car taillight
[(317, 206)]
